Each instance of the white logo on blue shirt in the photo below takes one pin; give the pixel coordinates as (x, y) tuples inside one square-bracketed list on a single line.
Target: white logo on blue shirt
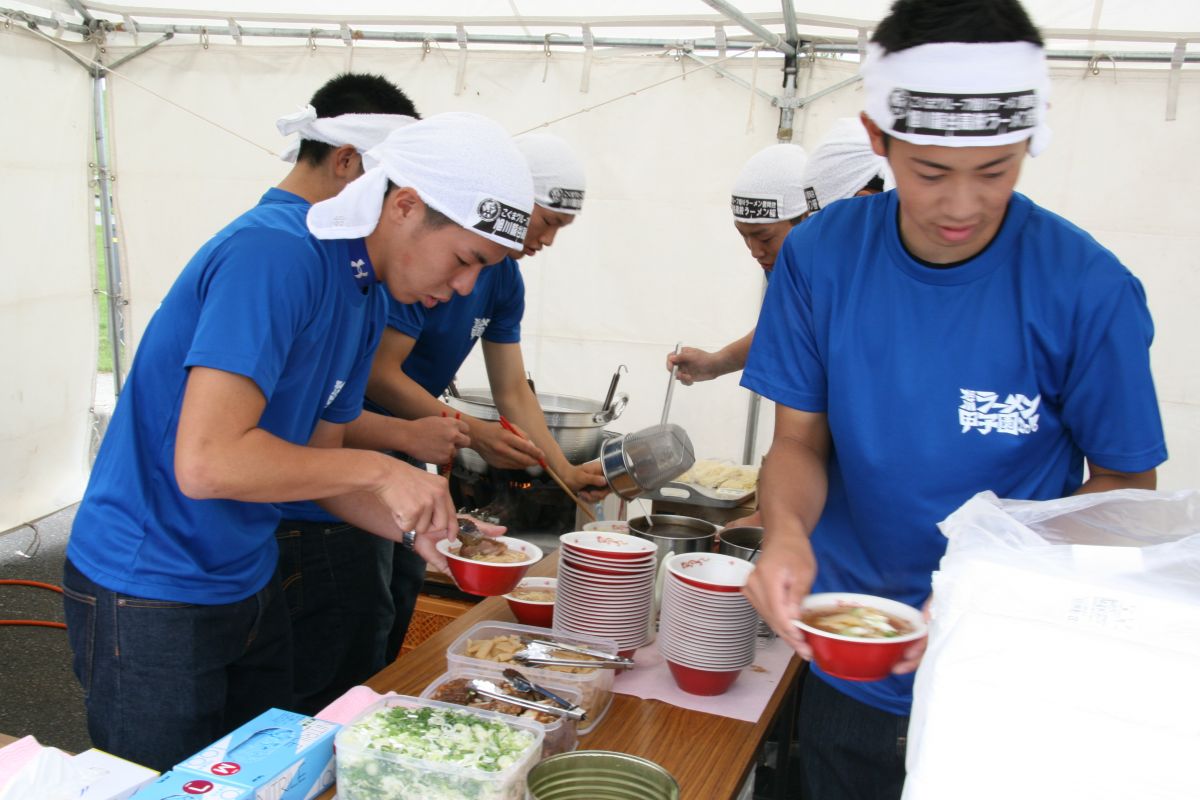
[(337, 388), (985, 412), (479, 326), (359, 274)]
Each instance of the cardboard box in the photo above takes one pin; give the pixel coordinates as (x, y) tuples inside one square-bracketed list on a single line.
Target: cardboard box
[(175, 785), (279, 755), (109, 777)]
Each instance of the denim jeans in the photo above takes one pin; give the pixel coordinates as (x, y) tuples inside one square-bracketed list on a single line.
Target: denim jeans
[(848, 750), (335, 580), (406, 576), (161, 680)]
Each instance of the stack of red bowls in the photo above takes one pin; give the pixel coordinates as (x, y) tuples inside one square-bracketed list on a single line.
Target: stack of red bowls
[(708, 629), (606, 587)]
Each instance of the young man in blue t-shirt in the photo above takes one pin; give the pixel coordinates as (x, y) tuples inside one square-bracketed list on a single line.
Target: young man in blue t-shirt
[(777, 189), (243, 385), (422, 350), (927, 344)]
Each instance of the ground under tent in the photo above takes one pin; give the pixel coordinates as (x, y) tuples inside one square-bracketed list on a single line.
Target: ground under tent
[(665, 100)]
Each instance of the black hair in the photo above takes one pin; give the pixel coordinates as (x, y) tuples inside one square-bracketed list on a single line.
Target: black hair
[(353, 93), (874, 185), (911, 23)]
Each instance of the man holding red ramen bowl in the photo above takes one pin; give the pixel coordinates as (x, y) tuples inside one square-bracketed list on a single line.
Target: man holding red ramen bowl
[(926, 344)]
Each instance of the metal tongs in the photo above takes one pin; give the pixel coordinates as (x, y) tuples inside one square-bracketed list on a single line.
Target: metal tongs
[(485, 688), (539, 653)]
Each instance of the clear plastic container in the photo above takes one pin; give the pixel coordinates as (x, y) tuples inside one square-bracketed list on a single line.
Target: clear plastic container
[(595, 685), (366, 771), (560, 736)]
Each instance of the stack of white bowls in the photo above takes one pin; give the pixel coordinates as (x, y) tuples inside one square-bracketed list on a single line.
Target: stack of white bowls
[(708, 629), (606, 587)]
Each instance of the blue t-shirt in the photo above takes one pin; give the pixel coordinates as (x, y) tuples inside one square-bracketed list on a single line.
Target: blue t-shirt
[(263, 299), (1001, 373), (445, 335)]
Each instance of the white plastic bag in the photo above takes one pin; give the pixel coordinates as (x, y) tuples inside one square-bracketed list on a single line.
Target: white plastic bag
[(1064, 652)]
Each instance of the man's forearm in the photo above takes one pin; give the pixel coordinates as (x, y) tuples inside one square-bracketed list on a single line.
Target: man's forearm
[(259, 467), (521, 406), (792, 489), (363, 510), (733, 355)]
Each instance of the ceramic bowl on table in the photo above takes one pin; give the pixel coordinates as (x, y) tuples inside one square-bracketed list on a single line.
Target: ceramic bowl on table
[(489, 578), (858, 658), (704, 682), (711, 572), (539, 613)]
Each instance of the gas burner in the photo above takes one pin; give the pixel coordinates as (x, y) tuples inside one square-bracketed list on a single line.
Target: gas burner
[(532, 507)]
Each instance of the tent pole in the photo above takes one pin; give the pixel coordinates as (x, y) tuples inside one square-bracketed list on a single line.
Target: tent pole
[(774, 39), (116, 289), (108, 227)]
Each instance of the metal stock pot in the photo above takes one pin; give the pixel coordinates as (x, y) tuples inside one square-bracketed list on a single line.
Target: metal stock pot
[(576, 423)]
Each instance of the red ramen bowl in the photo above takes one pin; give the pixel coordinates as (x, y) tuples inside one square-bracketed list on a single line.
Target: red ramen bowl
[(486, 578), (706, 682), (534, 612), (858, 658)]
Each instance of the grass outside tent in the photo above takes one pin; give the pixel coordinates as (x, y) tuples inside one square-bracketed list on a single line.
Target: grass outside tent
[(104, 356)]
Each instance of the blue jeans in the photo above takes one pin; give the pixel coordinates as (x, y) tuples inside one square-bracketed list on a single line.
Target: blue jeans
[(407, 576), (161, 680), (848, 750), (335, 579)]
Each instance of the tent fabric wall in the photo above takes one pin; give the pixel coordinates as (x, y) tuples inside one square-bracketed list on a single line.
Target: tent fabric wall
[(47, 316), (654, 258)]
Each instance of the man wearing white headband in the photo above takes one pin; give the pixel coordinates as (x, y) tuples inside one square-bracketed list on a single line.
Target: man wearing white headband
[(243, 384), (843, 165), (340, 606), (927, 344), (422, 349)]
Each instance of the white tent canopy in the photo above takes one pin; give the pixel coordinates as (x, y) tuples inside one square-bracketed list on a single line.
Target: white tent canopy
[(652, 260)]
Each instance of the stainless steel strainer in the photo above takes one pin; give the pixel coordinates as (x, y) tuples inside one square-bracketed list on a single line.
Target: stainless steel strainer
[(644, 460)]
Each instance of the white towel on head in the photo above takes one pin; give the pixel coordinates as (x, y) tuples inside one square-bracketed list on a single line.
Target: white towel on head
[(558, 177), (364, 131), (841, 166), (769, 187), (463, 165), (955, 94)]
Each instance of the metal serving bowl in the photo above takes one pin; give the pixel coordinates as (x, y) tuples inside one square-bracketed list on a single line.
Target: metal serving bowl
[(675, 534), (741, 542), (600, 775), (576, 423)]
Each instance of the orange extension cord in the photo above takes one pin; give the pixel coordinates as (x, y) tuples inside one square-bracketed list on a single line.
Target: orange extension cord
[(32, 622)]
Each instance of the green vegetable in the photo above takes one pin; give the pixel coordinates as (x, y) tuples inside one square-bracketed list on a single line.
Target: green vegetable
[(400, 753)]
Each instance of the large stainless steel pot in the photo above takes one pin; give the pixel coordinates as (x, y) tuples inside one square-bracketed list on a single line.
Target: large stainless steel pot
[(576, 423)]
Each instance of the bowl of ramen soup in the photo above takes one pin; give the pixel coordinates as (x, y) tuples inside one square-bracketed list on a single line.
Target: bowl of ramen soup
[(494, 569), (532, 602), (858, 637)]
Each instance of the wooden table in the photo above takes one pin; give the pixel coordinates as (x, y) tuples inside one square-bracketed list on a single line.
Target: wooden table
[(710, 756)]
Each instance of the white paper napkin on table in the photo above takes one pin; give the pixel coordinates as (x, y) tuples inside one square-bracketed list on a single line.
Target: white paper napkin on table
[(746, 699)]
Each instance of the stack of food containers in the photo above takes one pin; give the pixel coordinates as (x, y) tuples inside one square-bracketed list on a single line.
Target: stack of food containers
[(708, 629), (606, 587), (491, 646)]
